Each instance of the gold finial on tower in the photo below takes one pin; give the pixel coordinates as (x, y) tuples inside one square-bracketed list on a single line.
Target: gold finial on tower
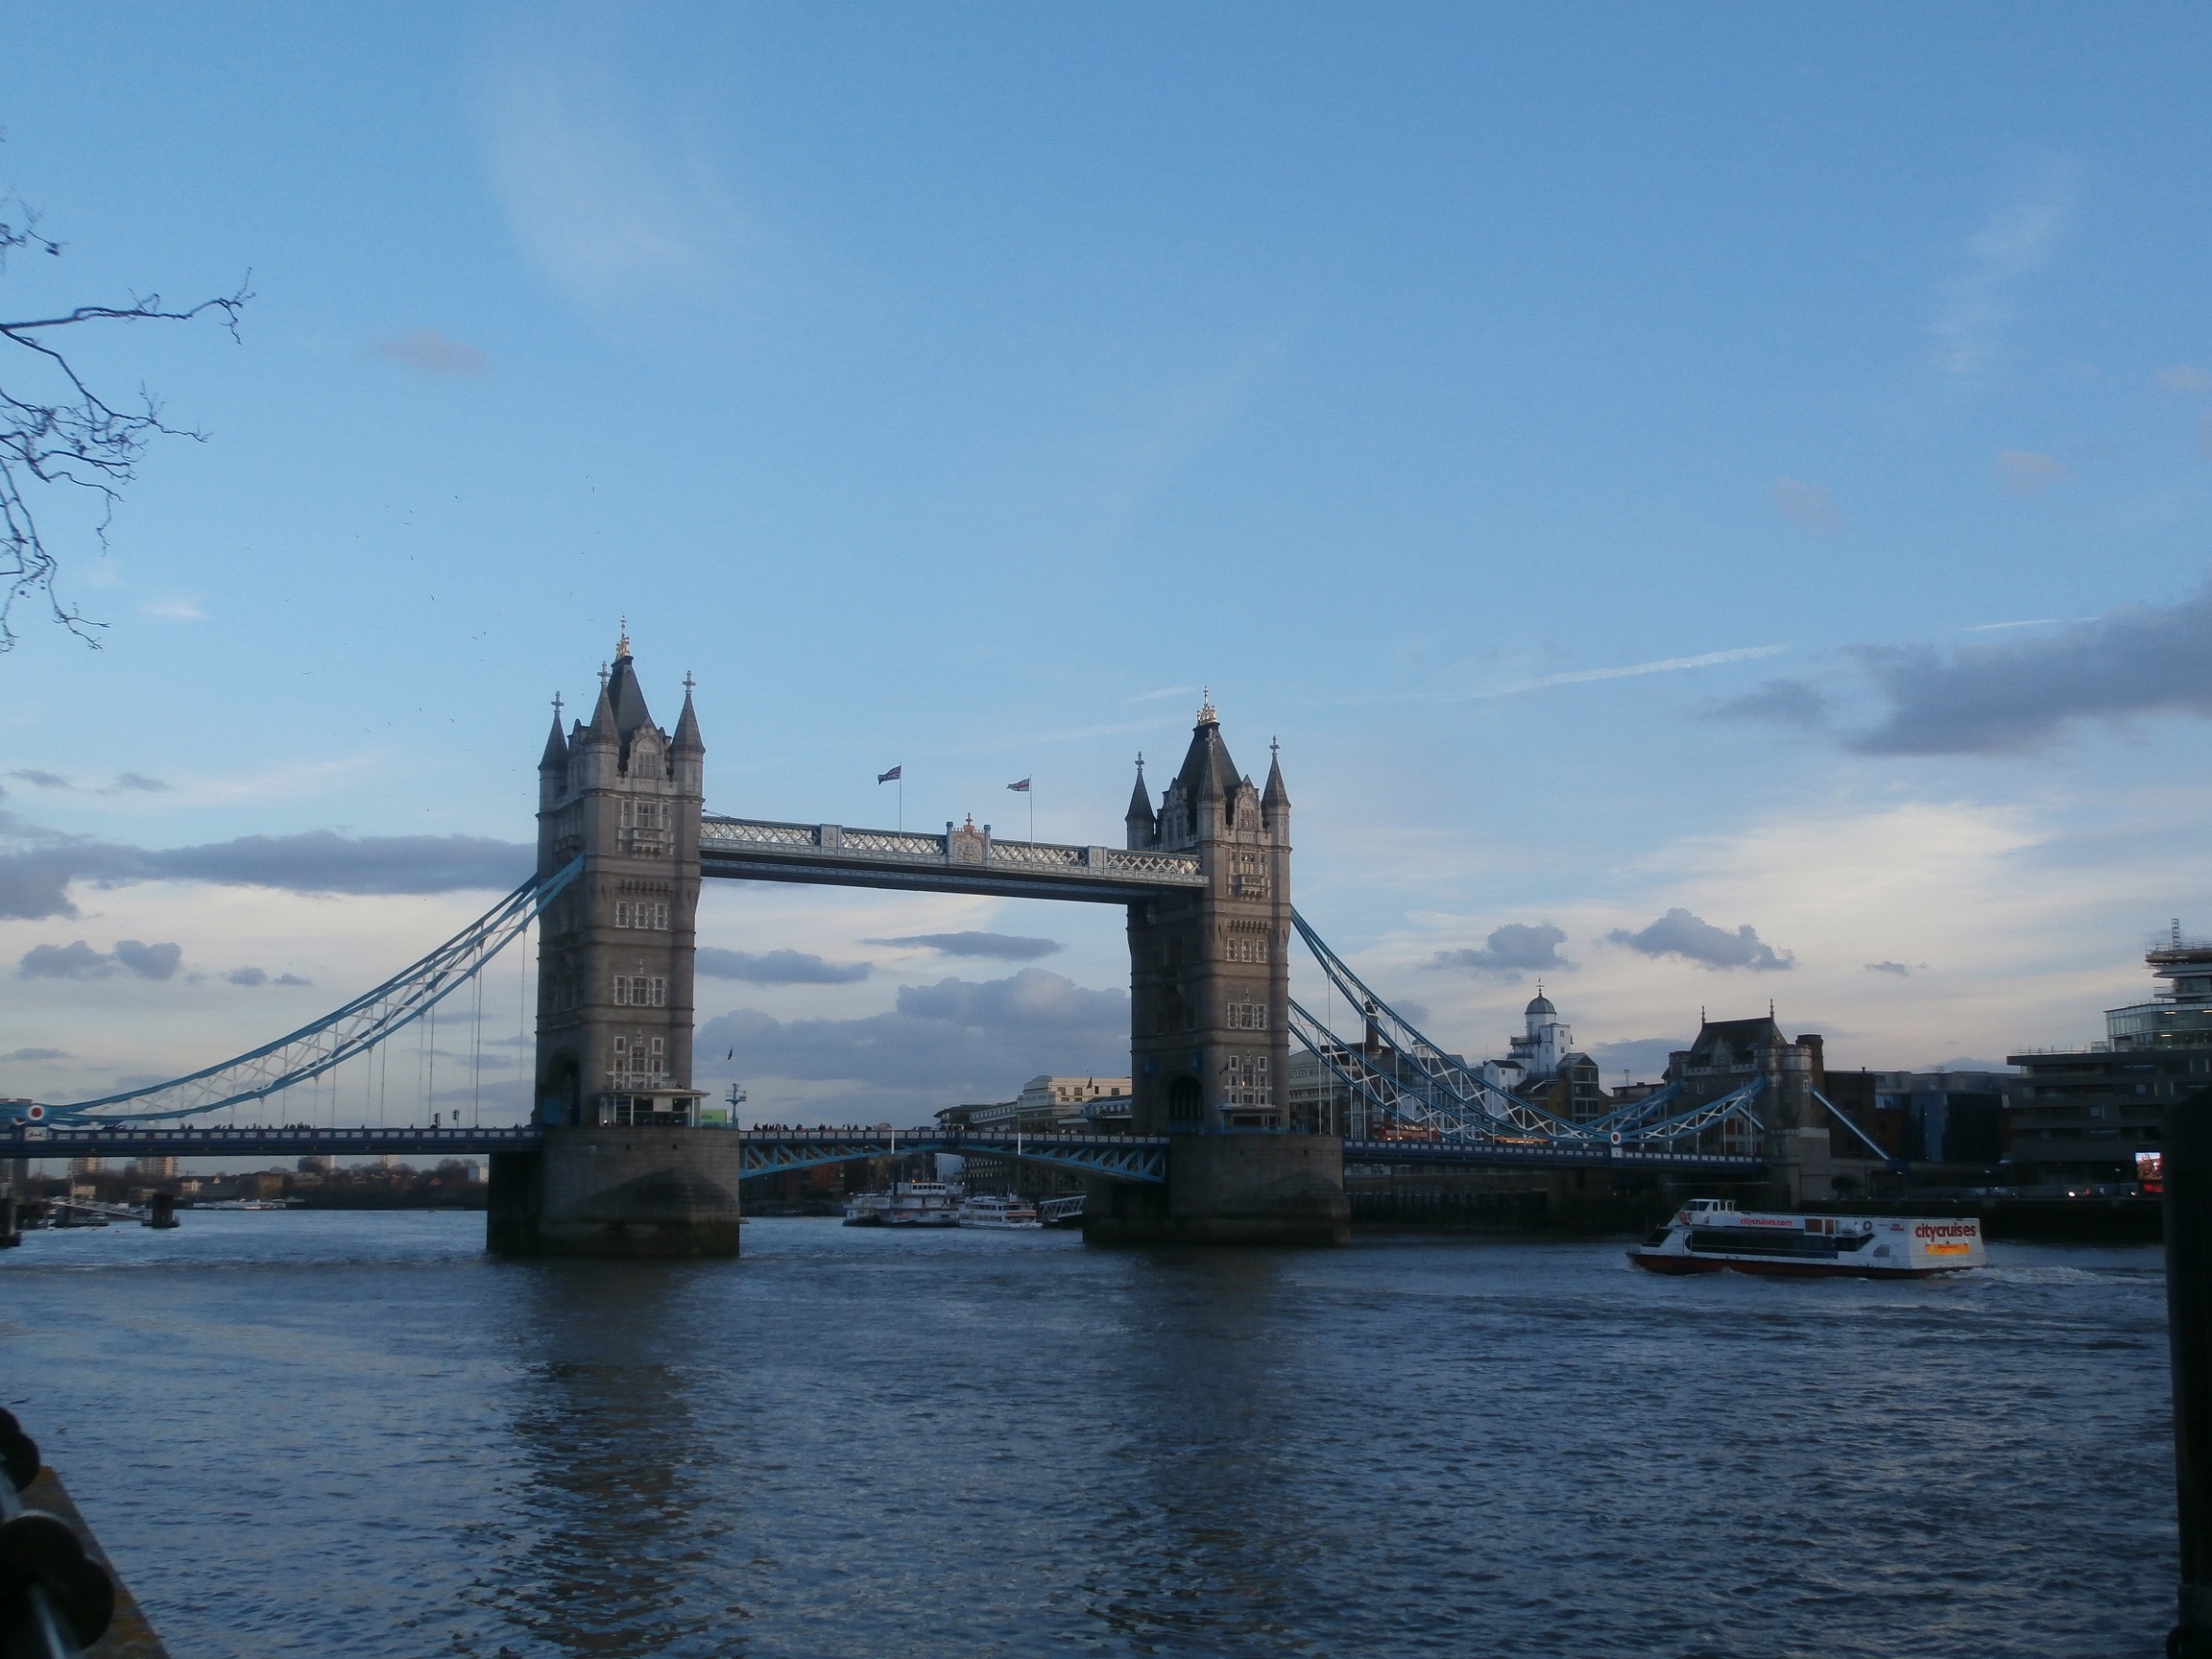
[(1205, 713), (622, 645)]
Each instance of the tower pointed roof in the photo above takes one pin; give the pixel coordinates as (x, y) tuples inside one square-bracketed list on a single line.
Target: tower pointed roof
[(601, 731), (686, 741), (1208, 773), (1141, 814), (625, 693), (556, 745), (1275, 795)]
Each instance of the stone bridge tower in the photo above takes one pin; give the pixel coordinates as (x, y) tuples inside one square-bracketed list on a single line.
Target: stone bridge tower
[(1210, 1027), (625, 1169)]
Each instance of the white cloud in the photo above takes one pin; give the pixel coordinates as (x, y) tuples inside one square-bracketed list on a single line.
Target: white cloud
[(590, 201), (173, 611), (2013, 241)]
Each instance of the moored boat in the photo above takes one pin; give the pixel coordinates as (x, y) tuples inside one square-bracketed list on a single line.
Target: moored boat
[(1712, 1235), (1004, 1212), (922, 1204)]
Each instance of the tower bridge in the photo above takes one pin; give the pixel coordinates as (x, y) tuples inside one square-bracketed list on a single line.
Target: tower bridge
[(616, 1159)]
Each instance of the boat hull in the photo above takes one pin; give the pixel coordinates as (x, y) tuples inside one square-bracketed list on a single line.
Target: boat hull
[(1655, 1261)]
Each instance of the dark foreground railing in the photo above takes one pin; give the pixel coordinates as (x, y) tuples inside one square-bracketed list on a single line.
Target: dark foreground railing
[(55, 1599), (2185, 1145)]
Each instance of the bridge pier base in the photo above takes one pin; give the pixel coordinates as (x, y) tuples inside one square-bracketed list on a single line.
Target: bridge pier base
[(1261, 1189), (617, 1192)]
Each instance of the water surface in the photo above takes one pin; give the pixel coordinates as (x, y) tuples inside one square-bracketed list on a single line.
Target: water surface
[(353, 1433)]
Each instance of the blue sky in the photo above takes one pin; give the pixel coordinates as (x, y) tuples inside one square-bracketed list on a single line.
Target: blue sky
[(1750, 462)]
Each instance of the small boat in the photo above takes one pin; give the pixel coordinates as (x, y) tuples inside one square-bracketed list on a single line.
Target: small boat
[(1002, 1213), (866, 1208), (1712, 1235)]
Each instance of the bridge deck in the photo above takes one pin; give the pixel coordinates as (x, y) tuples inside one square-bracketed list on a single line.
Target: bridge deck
[(960, 861), (1123, 1157)]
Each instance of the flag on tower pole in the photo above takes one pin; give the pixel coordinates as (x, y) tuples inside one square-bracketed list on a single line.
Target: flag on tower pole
[(897, 774), (1023, 788), (890, 777)]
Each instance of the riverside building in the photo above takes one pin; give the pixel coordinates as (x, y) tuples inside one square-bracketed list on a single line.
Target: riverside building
[(2085, 1113)]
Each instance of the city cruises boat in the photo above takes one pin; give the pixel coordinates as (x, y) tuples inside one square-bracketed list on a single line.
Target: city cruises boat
[(1712, 1235), (866, 1208), (922, 1204), (1003, 1213)]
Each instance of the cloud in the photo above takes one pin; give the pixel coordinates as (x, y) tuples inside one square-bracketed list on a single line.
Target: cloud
[(149, 961), (1897, 968), (175, 610), (1510, 949), (1805, 505), (2185, 378), (78, 960), (955, 1039), (1678, 934), (139, 781), (247, 977), (432, 355), (778, 967), (588, 203), (1006, 947), (27, 1056), (1776, 703), (2013, 241), (35, 873), (42, 780), (2018, 695), (1663, 666), (2024, 471)]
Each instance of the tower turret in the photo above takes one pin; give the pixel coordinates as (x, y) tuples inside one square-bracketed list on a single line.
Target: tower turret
[(1275, 802), (1144, 824)]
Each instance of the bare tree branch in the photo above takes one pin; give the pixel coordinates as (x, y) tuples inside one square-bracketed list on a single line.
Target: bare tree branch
[(65, 432)]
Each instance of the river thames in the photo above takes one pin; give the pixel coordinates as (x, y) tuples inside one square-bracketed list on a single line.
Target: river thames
[(353, 1433)]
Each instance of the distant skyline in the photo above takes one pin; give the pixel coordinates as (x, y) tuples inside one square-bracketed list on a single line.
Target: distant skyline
[(1712, 503)]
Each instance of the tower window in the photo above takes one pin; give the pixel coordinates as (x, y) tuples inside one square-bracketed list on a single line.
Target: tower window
[(640, 990)]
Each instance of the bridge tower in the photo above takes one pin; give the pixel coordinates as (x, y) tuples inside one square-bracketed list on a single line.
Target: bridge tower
[(626, 1169), (1210, 1026)]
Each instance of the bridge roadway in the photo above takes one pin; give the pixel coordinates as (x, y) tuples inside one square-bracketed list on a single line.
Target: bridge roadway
[(1137, 1158)]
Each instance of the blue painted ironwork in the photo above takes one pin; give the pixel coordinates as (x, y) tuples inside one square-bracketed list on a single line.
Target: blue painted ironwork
[(1500, 1155), (332, 1040), (1427, 1095), (1137, 1158), (256, 1141)]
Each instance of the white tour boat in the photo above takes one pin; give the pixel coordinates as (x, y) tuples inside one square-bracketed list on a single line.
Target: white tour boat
[(1712, 1235), (1003, 1214)]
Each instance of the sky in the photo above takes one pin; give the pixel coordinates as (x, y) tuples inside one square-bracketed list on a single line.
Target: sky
[(1712, 502)]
